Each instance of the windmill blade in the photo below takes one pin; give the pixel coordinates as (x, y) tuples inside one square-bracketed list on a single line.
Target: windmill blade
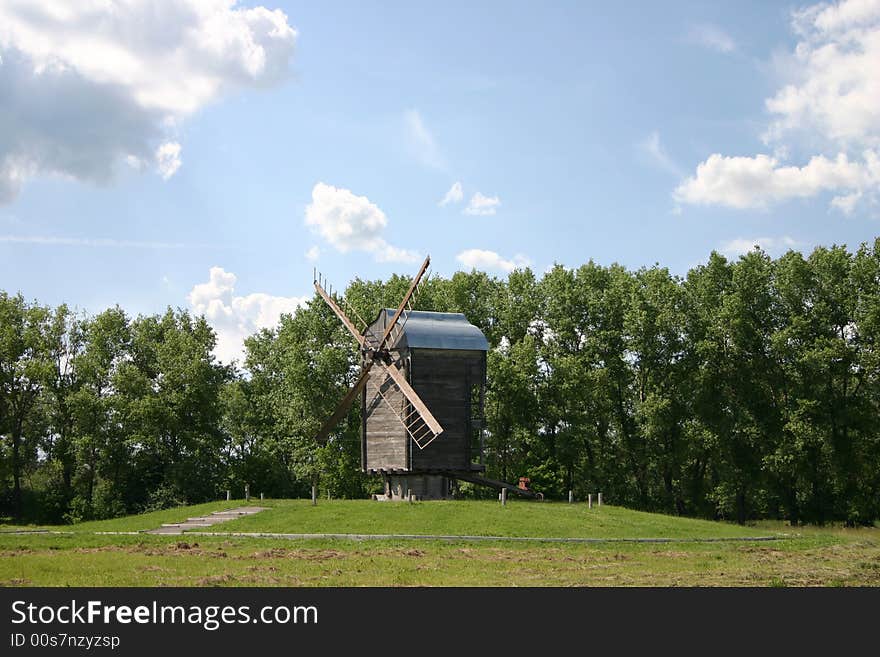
[(344, 406), (406, 298), (338, 312), (420, 423)]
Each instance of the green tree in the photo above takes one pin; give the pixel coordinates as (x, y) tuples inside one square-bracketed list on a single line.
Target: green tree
[(25, 367)]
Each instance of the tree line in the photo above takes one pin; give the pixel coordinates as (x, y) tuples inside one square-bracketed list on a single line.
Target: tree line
[(745, 389)]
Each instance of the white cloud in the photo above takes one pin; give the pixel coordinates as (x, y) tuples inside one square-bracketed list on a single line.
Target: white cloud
[(168, 159), (655, 153), (313, 254), (352, 223), (847, 202), (834, 92), (49, 240), (421, 141), (454, 195), (482, 259), (829, 106), (755, 182), (87, 86), (236, 317), (712, 37), (482, 205), (771, 245)]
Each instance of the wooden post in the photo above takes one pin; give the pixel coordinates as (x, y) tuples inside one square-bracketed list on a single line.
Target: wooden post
[(410, 497), (228, 495), (503, 496), (570, 497), (600, 499), (314, 495), (589, 500), (261, 497), (247, 492), (400, 491)]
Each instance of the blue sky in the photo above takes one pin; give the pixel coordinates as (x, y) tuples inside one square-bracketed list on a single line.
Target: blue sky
[(213, 167)]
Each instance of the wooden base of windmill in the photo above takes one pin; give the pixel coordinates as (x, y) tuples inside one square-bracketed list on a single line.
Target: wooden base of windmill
[(398, 486)]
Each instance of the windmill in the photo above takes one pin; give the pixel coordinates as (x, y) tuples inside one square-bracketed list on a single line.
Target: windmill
[(422, 389)]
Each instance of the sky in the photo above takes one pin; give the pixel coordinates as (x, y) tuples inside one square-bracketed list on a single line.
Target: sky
[(209, 154)]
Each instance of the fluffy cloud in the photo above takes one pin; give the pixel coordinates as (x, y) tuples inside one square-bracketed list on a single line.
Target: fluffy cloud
[(168, 159), (482, 205), (830, 104), (236, 317), (752, 182), (352, 223), (87, 85), (835, 91), (772, 245), (489, 260), (454, 195)]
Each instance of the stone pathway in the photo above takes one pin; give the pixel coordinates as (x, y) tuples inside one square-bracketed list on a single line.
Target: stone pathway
[(206, 521)]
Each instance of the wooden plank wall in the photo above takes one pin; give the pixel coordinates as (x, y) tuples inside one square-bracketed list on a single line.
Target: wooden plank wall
[(386, 438), (441, 377)]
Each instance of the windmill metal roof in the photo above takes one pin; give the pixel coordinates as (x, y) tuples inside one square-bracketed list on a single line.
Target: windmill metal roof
[(429, 330)]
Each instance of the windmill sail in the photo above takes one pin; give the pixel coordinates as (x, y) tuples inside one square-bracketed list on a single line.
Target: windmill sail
[(417, 419)]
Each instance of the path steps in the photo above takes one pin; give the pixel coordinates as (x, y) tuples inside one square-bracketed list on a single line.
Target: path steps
[(206, 521)]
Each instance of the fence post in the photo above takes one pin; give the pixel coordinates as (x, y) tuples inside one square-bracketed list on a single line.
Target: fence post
[(503, 496), (570, 496), (600, 499), (247, 492), (228, 495), (589, 500), (261, 497), (314, 495)]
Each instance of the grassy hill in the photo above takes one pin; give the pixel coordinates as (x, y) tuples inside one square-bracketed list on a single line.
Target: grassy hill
[(477, 518), (81, 557)]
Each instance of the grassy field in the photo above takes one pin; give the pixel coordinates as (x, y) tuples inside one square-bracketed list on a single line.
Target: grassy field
[(477, 518), (802, 557)]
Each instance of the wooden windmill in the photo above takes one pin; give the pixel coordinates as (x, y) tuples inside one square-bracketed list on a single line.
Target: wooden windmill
[(422, 388)]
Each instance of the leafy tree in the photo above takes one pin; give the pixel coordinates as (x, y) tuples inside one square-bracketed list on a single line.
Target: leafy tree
[(25, 367)]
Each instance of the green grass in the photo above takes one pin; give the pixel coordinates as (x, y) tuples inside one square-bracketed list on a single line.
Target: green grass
[(147, 560), (134, 523), (477, 518), (804, 557)]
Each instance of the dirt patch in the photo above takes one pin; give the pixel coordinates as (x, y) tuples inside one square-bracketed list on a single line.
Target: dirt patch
[(16, 552), (672, 554), (215, 580), (259, 569), (274, 553)]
